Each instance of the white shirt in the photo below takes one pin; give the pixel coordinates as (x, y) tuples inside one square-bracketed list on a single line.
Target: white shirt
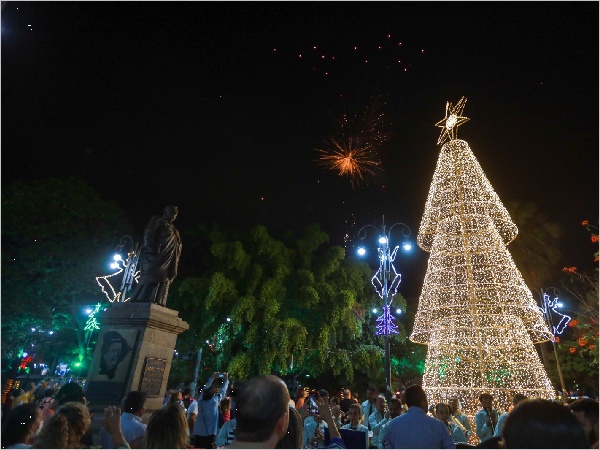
[(131, 427), (377, 420), (366, 409), (226, 434)]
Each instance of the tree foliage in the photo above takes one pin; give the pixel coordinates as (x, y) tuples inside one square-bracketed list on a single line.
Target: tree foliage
[(56, 237), (534, 251), (296, 306)]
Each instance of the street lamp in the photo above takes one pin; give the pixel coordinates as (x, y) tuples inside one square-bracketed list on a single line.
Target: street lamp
[(386, 282), (549, 306), (130, 264)]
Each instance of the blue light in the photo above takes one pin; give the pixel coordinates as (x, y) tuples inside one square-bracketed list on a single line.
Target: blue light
[(25, 355), (117, 257), (407, 246), (361, 251), (50, 332), (89, 310), (398, 311), (560, 305), (32, 330), (114, 266), (374, 310), (382, 240)]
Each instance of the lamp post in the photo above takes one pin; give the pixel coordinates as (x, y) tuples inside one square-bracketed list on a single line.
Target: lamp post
[(129, 265), (549, 305), (386, 282)]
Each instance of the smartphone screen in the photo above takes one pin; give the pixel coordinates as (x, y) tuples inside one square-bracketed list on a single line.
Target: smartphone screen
[(313, 399)]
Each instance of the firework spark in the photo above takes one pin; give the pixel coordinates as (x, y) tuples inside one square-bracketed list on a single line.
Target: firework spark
[(349, 160)]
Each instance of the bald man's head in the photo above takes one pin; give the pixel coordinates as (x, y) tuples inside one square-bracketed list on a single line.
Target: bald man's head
[(260, 407)]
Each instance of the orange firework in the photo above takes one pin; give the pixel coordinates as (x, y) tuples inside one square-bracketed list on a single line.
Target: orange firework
[(348, 160)]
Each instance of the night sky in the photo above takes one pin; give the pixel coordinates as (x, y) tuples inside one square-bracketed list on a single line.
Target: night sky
[(210, 106)]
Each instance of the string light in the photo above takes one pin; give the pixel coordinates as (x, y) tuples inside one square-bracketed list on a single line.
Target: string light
[(549, 308), (475, 313), (92, 323), (111, 294)]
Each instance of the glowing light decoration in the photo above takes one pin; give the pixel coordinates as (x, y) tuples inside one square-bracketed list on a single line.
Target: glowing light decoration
[(92, 323), (450, 123), (475, 312), (128, 268), (550, 306)]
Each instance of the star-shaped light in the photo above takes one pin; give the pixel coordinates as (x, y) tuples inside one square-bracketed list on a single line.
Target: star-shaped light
[(452, 121)]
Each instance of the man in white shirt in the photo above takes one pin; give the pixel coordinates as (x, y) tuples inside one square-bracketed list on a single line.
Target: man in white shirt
[(377, 419), (131, 421), (354, 424), (368, 406)]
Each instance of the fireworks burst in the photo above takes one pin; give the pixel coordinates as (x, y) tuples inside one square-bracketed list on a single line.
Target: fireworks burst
[(349, 160)]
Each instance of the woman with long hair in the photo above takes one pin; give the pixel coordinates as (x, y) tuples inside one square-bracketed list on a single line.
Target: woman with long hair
[(22, 421), (66, 427), (167, 428)]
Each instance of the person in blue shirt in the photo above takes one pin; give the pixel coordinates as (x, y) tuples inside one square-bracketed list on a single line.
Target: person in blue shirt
[(518, 398), (206, 411), (486, 419), (415, 429)]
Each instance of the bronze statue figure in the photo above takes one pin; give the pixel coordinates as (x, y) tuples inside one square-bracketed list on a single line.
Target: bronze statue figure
[(159, 258)]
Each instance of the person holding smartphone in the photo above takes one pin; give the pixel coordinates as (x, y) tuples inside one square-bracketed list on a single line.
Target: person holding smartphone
[(205, 411)]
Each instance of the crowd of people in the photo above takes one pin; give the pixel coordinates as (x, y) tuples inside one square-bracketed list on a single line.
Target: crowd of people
[(261, 414)]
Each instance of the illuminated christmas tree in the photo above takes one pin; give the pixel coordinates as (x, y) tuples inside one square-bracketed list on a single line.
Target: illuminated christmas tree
[(475, 313)]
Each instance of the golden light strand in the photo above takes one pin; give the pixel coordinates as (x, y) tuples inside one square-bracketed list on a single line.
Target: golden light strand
[(475, 313)]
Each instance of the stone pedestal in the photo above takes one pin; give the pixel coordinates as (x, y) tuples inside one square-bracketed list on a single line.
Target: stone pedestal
[(134, 352)]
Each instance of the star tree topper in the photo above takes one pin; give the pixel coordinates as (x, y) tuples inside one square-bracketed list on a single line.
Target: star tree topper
[(452, 121)]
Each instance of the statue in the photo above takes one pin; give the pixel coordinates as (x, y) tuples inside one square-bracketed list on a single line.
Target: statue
[(159, 258)]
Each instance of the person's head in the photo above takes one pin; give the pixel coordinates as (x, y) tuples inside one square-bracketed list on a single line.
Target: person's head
[(225, 405), (210, 391), (453, 404), (486, 400), (586, 411), (543, 424), (262, 410), (134, 403), (167, 428), (22, 420), (347, 394), (65, 428), (395, 408), (403, 397), (355, 395), (324, 395), (293, 436), (380, 403), (186, 391), (518, 398), (175, 397), (49, 392), (70, 392), (333, 401), (170, 212), (354, 414), (442, 412), (371, 394), (415, 396)]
